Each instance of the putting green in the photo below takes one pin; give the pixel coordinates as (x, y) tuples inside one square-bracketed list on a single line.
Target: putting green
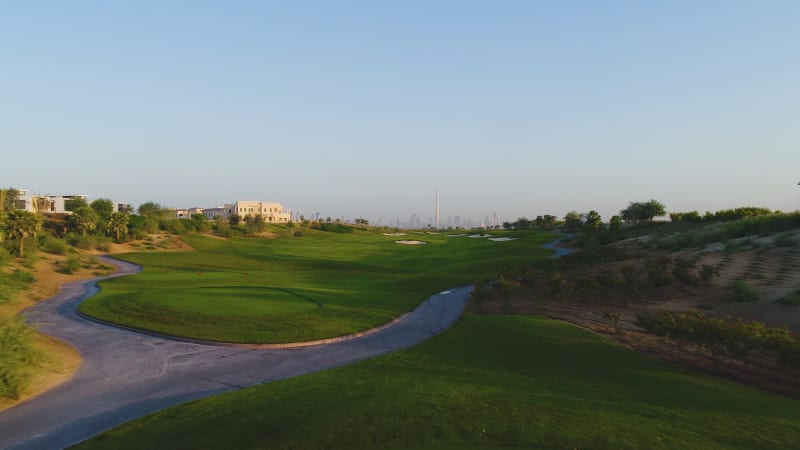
[(232, 299)]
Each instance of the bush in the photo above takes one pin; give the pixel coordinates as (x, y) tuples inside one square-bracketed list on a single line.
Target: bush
[(22, 277), (744, 292), (31, 258), (102, 243), (55, 246), (70, 265), (16, 356), (5, 257)]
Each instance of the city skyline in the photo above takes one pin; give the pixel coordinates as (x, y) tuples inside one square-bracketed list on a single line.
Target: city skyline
[(519, 109)]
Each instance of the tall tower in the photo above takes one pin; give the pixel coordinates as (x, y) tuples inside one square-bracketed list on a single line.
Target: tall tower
[(437, 208)]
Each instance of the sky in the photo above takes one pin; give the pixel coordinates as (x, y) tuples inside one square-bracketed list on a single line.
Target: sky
[(366, 108)]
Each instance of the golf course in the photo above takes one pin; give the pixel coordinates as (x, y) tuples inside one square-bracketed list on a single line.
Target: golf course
[(496, 381), (290, 290)]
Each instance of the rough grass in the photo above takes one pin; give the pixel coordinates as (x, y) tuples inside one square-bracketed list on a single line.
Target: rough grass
[(490, 382), (315, 287)]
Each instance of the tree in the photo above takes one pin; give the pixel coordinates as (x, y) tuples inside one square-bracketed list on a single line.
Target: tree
[(84, 219), (151, 209), (20, 225), (615, 224), (592, 221), (572, 222), (71, 204), (8, 199), (254, 224), (103, 207), (546, 222), (234, 219), (638, 212), (118, 223)]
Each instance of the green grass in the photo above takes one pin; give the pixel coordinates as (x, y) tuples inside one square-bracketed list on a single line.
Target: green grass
[(489, 382), (298, 289)]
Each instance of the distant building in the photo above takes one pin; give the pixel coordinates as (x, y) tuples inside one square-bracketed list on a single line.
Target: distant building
[(188, 213), (270, 211)]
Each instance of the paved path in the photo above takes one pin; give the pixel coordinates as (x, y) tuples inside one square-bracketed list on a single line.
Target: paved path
[(127, 374)]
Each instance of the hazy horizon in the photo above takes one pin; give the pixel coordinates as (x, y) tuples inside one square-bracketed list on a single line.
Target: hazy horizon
[(365, 109)]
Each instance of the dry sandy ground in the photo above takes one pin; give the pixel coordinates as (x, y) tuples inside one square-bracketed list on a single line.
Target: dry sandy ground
[(59, 361)]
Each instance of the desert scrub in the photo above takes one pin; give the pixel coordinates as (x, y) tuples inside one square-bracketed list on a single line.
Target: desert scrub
[(744, 291), (70, 265)]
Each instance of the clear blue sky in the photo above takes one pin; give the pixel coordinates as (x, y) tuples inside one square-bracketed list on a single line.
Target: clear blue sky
[(365, 107)]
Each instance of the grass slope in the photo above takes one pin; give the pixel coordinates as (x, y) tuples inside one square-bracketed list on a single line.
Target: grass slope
[(491, 381), (285, 290)]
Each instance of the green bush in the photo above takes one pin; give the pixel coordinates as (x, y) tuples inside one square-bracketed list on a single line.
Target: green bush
[(102, 243), (5, 257), (31, 258), (16, 356), (744, 292), (55, 246), (70, 265), (23, 277)]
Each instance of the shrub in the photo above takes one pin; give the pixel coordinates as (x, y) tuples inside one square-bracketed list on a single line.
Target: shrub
[(70, 265), (22, 276), (707, 272), (102, 243), (744, 292), (16, 356), (5, 257), (30, 260), (55, 246), (682, 271)]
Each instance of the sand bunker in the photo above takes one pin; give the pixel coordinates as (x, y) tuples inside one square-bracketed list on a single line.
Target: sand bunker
[(479, 235), (394, 234), (411, 242), (501, 239)]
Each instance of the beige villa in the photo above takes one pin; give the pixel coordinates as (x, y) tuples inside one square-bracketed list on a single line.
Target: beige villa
[(271, 211)]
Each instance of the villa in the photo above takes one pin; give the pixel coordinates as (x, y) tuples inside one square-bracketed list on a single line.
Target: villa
[(270, 211)]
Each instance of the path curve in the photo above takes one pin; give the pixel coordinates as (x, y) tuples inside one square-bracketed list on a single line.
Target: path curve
[(127, 374)]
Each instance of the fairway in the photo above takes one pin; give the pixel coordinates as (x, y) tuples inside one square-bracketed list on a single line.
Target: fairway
[(489, 382), (298, 289)]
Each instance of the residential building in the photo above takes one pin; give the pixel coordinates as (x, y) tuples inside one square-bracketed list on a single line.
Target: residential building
[(270, 211)]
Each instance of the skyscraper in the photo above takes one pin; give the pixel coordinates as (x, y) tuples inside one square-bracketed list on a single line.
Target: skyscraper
[(437, 209)]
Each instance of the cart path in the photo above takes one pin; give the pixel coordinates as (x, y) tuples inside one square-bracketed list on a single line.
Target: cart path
[(127, 374)]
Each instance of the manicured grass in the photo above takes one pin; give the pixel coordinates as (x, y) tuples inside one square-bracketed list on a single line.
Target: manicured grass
[(489, 382), (298, 289)]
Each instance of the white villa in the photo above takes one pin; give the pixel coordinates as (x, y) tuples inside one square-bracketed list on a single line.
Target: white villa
[(53, 203)]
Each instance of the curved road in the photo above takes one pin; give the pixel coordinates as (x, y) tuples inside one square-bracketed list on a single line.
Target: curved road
[(127, 374)]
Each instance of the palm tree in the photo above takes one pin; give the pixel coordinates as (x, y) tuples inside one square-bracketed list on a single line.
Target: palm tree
[(21, 224), (118, 223), (84, 219)]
